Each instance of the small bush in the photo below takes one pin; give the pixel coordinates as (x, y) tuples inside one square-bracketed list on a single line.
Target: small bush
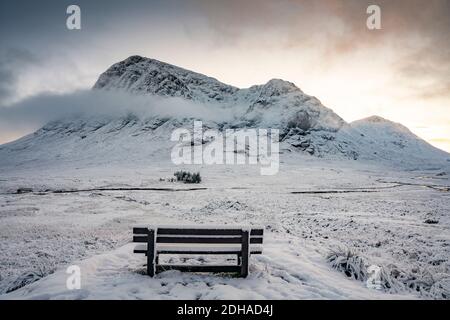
[(422, 281), (40, 271), (188, 177), (346, 261), (392, 279), (23, 280), (441, 289)]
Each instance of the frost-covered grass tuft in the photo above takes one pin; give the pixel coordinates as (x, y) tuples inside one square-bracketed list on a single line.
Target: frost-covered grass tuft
[(421, 281), (441, 288), (28, 277), (348, 262), (391, 278)]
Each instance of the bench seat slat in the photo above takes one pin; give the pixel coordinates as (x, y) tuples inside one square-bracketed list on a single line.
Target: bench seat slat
[(140, 239), (207, 232), (199, 232), (203, 249), (199, 268), (140, 230), (198, 252), (162, 239)]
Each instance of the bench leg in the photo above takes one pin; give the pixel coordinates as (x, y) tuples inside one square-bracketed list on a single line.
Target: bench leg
[(151, 253), (245, 253)]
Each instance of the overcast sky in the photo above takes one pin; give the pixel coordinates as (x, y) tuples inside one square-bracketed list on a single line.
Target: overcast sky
[(401, 72)]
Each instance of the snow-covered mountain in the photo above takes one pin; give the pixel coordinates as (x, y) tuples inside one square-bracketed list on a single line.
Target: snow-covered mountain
[(277, 103), (306, 126), (390, 140)]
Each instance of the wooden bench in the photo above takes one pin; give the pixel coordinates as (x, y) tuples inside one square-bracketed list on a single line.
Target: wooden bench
[(241, 242)]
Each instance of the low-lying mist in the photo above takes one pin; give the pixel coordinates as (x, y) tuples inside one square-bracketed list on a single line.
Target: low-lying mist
[(30, 114)]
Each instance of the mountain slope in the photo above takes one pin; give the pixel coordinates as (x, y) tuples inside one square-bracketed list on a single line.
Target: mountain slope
[(390, 140)]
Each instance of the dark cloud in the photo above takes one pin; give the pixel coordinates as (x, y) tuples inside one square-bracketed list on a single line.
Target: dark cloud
[(111, 30), (417, 31), (341, 22), (333, 27), (426, 72), (12, 62), (43, 22), (339, 26)]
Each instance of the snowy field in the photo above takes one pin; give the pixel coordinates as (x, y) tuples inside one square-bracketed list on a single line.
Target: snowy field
[(398, 220)]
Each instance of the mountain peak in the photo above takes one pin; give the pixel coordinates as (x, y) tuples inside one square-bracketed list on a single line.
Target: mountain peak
[(280, 83), (141, 75), (135, 59), (380, 122), (376, 119), (278, 87)]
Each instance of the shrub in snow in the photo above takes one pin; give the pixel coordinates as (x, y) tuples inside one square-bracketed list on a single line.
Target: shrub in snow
[(23, 280), (24, 190), (346, 261), (188, 177), (421, 281), (391, 278), (441, 288), (42, 269)]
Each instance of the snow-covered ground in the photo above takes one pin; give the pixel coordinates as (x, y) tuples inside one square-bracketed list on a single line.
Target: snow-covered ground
[(395, 219), (347, 196)]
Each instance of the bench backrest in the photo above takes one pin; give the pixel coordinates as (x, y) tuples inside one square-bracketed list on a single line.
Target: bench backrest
[(200, 236)]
